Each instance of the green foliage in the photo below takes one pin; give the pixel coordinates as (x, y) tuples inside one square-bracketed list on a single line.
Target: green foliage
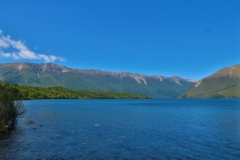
[(65, 93), (10, 110), (28, 93), (3, 127)]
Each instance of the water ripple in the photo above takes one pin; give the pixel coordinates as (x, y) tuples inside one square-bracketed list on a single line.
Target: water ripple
[(126, 129)]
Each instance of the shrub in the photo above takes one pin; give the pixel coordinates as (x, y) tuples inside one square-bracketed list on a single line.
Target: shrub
[(3, 127), (10, 110)]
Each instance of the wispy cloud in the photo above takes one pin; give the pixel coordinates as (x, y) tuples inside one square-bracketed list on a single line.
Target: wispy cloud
[(21, 51)]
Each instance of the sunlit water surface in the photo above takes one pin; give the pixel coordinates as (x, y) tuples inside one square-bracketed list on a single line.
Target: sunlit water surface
[(126, 129)]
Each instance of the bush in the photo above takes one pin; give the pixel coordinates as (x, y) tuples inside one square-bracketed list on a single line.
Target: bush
[(3, 127), (10, 110)]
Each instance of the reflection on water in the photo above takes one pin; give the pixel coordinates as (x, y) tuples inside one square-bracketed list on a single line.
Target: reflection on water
[(126, 129)]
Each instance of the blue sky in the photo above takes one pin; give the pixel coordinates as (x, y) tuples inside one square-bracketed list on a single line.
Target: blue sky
[(190, 39)]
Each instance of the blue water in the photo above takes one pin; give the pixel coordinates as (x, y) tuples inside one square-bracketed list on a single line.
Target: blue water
[(126, 129)]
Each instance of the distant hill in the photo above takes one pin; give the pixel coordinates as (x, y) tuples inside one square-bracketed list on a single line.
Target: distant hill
[(225, 83), (52, 75)]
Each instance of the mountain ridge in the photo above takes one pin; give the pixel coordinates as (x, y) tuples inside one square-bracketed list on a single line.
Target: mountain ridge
[(51, 66), (49, 75)]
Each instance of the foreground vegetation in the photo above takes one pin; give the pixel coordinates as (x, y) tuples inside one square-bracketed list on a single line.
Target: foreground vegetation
[(10, 110)]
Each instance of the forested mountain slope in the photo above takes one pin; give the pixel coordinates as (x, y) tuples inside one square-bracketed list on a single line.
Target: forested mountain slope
[(52, 75), (225, 83)]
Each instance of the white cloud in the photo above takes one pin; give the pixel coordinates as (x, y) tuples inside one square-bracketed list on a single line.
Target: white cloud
[(52, 57), (5, 55), (15, 56), (3, 44), (61, 59), (22, 51)]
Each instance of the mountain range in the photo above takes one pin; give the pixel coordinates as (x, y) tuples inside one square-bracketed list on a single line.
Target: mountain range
[(49, 75), (225, 83)]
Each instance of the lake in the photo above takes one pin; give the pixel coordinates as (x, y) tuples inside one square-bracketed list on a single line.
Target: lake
[(126, 129)]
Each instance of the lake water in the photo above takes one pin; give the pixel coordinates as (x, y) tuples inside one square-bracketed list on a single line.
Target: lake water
[(126, 129)]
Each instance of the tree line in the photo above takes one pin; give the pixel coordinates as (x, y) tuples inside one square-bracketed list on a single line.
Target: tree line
[(29, 93)]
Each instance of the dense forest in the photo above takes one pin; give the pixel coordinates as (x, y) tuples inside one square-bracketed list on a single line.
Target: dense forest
[(29, 93)]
